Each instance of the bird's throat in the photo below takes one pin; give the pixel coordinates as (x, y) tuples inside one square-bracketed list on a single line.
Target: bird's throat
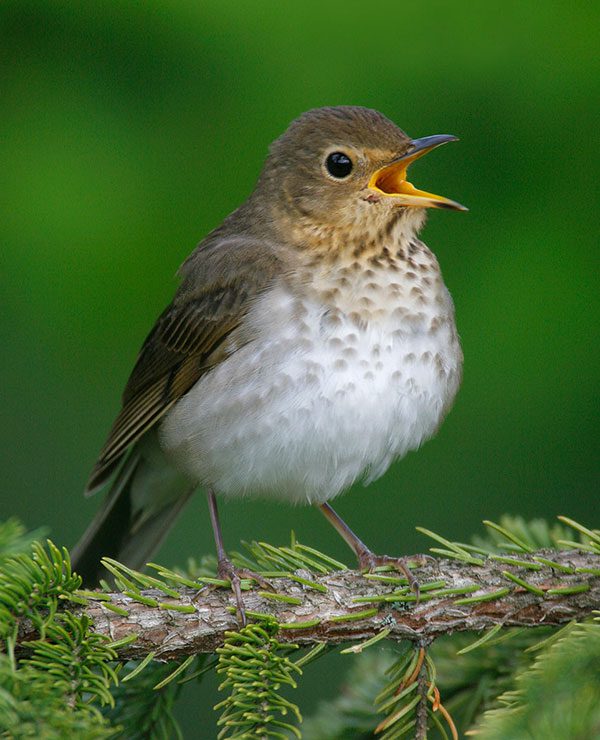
[(368, 231)]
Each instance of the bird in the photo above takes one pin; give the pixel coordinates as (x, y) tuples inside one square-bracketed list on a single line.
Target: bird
[(310, 344)]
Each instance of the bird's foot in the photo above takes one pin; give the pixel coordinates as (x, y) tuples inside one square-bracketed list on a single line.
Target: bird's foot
[(229, 572), (368, 561)]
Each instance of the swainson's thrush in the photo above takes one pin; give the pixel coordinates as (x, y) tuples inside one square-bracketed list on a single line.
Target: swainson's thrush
[(310, 344)]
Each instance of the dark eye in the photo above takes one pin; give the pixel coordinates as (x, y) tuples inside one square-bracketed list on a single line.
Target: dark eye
[(338, 164)]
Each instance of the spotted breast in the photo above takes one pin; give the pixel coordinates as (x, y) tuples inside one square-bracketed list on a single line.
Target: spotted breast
[(347, 371)]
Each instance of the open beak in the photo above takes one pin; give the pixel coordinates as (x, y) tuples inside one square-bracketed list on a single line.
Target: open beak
[(391, 179)]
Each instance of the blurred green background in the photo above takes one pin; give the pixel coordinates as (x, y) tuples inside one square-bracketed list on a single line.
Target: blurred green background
[(129, 130)]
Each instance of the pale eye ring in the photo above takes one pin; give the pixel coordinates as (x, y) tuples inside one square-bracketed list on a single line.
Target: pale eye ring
[(339, 165)]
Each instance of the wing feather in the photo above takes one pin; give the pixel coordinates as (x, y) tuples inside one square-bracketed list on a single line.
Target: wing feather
[(186, 341)]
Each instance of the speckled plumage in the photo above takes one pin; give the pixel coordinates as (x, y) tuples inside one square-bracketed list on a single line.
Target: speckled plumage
[(310, 344), (350, 366)]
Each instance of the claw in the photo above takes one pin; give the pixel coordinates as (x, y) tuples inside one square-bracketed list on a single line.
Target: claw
[(368, 561), (228, 571)]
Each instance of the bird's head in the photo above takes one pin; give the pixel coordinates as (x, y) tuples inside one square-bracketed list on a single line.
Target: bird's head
[(342, 165)]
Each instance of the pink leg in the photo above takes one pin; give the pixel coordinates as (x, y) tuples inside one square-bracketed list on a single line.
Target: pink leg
[(225, 568), (367, 560)]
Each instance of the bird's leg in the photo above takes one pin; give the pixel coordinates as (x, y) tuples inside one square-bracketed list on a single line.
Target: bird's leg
[(225, 568), (367, 560)]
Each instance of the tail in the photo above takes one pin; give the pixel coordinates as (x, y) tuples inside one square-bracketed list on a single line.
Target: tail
[(142, 504)]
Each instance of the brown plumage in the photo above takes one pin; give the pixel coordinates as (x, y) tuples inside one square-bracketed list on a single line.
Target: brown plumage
[(325, 244), (192, 335)]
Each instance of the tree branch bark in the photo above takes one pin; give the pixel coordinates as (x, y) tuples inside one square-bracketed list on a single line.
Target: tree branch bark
[(336, 616)]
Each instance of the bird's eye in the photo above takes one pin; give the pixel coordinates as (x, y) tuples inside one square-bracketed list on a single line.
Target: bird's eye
[(338, 164)]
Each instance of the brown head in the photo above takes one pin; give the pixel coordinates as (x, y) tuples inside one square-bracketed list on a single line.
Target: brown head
[(341, 166)]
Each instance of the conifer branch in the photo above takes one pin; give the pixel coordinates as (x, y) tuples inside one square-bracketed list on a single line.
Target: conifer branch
[(342, 605)]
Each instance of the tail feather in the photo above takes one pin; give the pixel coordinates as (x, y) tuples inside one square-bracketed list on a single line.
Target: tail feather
[(142, 504)]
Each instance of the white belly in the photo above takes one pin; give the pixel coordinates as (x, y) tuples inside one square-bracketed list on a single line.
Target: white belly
[(314, 404)]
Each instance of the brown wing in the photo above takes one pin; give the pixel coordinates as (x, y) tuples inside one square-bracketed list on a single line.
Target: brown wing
[(186, 341)]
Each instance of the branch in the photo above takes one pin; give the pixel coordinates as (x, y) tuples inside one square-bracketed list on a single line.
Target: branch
[(348, 606)]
